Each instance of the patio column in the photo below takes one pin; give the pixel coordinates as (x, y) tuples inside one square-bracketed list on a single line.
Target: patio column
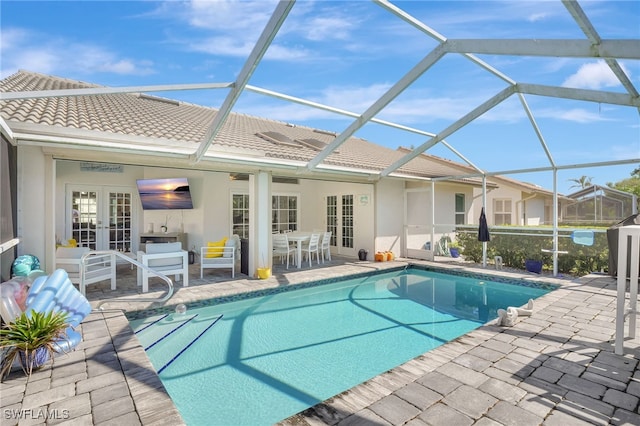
[(259, 221)]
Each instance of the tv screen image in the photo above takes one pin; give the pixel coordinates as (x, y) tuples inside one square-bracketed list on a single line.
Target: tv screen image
[(164, 194)]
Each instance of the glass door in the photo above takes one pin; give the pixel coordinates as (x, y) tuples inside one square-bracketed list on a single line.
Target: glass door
[(120, 209), (84, 218), (100, 217), (340, 221)]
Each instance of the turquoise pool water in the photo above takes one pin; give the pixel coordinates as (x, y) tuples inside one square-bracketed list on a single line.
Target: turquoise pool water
[(260, 360)]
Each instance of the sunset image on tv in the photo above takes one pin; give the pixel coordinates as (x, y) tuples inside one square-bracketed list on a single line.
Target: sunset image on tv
[(160, 194)]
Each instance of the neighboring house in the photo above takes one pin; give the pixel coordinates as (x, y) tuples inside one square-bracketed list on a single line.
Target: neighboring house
[(598, 204), (509, 201), (72, 161)]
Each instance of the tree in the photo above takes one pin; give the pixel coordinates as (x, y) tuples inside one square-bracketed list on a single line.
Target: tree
[(630, 185), (582, 182)]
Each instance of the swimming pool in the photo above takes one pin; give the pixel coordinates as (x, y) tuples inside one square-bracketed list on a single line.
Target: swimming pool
[(261, 360)]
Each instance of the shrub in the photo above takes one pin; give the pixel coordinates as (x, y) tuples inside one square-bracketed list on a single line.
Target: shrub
[(515, 249)]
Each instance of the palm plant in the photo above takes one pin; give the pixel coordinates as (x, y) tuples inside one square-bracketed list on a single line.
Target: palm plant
[(582, 182), (32, 338)]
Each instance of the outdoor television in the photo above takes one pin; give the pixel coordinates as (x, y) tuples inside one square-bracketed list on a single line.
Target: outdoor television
[(165, 194)]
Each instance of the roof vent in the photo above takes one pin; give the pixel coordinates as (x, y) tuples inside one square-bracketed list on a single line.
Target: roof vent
[(315, 144), (278, 139), (157, 99), (325, 132)]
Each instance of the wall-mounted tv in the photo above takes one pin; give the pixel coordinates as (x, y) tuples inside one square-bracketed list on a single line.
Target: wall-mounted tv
[(165, 194)]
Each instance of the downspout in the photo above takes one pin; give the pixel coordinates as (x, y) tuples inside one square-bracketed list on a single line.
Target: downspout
[(524, 206)]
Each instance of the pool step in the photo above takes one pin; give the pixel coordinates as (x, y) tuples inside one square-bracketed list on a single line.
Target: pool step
[(189, 345), (158, 330), (184, 330)]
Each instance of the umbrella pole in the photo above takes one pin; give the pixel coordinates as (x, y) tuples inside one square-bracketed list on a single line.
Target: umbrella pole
[(484, 204), (484, 254)]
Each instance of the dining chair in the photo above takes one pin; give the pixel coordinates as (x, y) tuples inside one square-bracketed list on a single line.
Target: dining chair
[(312, 247), (282, 248), (325, 245)]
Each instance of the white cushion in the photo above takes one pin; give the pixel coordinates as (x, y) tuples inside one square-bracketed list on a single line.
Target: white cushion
[(165, 263), (163, 247), (231, 242), (70, 253)]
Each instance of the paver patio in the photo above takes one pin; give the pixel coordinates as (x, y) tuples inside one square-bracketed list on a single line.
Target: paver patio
[(555, 367)]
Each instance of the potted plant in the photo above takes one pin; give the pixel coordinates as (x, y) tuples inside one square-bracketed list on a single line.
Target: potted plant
[(533, 263), (32, 339), (454, 249)]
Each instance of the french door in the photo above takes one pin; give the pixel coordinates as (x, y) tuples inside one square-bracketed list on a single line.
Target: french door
[(100, 217), (340, 222)]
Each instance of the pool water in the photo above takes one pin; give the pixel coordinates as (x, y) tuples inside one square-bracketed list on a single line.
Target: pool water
[(261, 360)]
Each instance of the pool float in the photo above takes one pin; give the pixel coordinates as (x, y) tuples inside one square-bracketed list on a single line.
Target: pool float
[(48, 293)]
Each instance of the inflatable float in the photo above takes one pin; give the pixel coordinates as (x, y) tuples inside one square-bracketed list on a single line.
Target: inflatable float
[(46, 293)]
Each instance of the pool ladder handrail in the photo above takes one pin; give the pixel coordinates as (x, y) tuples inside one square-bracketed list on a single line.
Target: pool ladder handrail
[(121, 255)]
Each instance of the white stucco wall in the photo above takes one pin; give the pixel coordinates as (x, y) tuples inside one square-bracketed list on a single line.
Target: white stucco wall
[(32, 209), (389, 211)]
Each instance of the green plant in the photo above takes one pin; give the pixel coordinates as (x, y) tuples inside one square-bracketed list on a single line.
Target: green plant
[(30, 337)]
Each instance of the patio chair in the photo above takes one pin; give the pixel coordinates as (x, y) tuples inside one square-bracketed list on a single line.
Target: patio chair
[(223, 257), (96, 268), (282, 248), (163, 258), (313, 246), (325, 245)]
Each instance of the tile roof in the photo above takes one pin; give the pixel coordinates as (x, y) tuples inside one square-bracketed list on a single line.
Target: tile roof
[(135, 114)]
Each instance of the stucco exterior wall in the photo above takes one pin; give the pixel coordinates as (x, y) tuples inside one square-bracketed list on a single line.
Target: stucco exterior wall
[(389, 211), (32, 211)]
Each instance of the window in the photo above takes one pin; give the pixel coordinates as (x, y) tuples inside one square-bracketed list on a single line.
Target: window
[(240, 214), (502, 212), (460, 210), (284, 211)]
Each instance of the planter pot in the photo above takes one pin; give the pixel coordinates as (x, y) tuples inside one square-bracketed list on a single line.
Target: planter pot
[(35, 360), (362, 255), (534, 266), (454, 252), (264, 273)]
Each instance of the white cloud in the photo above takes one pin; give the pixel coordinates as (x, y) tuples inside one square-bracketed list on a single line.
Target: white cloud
[(534, 17), (595, 75), (577, 115), (334, 27), (28, 50)]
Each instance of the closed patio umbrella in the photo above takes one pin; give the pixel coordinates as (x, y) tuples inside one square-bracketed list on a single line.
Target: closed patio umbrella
[(483, 235), (483, 229)]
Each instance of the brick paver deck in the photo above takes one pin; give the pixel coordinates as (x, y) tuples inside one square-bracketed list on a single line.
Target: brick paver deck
[(555, 367)]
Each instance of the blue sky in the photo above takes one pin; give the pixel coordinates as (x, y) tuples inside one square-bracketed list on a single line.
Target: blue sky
[(346, 54)]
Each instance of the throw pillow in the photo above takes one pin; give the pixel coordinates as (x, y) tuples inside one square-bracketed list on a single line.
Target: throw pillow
[(215, 248)]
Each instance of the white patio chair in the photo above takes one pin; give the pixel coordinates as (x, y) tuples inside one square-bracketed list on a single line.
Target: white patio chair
[(164, 258), (221, 258), (282, 248), (313, 246), (325, 246), (97, 268)]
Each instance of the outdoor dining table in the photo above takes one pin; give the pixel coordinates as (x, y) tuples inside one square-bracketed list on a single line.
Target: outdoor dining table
[(299, 237)]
